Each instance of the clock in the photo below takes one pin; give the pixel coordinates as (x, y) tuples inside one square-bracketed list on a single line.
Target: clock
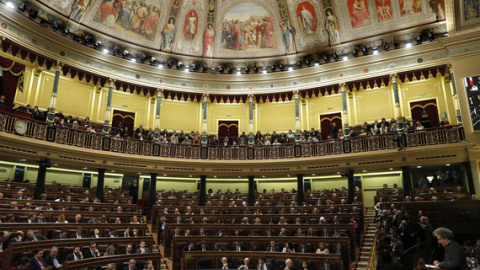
[(21, 127)]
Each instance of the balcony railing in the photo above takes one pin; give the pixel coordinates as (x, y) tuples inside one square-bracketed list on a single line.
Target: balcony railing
[(361, 144)]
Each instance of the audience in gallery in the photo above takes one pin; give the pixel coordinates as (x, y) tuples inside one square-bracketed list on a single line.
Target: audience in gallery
[(194, 137)]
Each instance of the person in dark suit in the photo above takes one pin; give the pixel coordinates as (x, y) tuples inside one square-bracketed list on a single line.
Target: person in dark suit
[(454, 258), (189, 247), (142, 248), (128, 249), (62, 235), (134, 190), (225, 264), (273, 247), (289, 265), (263, 265), (327, 266), (203, 246), (397, 249), (40, 218), (37, 262), (246, 264), (303, 248), (78, 233), (237, 246), (112, 233), (53, 259), (131, 265), (161, 228), (31, 236), (92, 252), (75, 255)]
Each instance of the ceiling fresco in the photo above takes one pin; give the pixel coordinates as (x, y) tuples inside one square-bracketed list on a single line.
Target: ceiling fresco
[(245, 28)]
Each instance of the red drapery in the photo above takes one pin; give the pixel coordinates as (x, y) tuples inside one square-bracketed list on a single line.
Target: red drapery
[(128, 119), (430, 107), (12, 72), (326, 121), (227, 128)]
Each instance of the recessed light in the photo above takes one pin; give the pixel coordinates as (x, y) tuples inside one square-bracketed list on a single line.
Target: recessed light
[(264, 71), (391, 169), (113, 170), (375, 50), (10, 5), (263, 176), (164, 174), (214, 176), (290, 68), (22, 159), (364, 171), (408, 45), (133, 59), (106, 51), (56, 164), (160, 65), (313, 174), (139, 173), (345, 58), (85, 168), (239, 72), (448, 164), (338, 172), (239, 176), (186, 69), (190, 175), (419, 167), (288, 175)]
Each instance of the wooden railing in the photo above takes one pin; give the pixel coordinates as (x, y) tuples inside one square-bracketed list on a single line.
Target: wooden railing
[(43, 131)]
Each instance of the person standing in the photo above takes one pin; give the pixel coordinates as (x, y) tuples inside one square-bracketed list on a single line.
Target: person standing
[(454, 258)]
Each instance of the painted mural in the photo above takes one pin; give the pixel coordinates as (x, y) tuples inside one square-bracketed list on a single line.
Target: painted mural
[(359, 14), (134, 20), (248, 26), (384, 10), (409, 7), (190, 25), (471, 9), (332, 26), (62, 6), (79, 9), (307, 18)]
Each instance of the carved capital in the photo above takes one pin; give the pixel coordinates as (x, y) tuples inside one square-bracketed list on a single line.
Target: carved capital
[(393, 77), (449, 68), (159, 92), (111, 82), (59, 66), (343, 87), (250, 97)]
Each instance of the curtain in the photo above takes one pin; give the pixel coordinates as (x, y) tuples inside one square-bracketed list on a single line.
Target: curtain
[(12, 75), (326, 121), (128, 119), (430, 107), (227, 128)]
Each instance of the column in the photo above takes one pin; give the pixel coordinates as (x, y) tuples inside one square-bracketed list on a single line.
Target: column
[(346, 127), (53, 100), (455, 96), (396, 96), (203, 190), (351, 185), (300, 193), (407, 181), (251, 130), (153, 194), (107, 125), (204, 121), (251, 190), (42, 173), (298, 132), (100, 184), (156, 133)]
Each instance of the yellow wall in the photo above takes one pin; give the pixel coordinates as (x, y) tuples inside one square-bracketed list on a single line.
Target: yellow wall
[(180, 115), (224, 184), (329, 183), (9, 171), (373, 104), (320, 106), (179, 185), (278, 117), (277, 184), (372, 182)]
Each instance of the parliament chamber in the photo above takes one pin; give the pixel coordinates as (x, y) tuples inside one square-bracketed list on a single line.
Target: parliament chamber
[(239, 134)]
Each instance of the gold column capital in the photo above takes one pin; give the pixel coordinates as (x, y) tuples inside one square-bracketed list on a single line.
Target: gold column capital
[(159, 92), (111, 82), (450, 68), (393, 77), (251, 97), (58, 66), (343, 86)]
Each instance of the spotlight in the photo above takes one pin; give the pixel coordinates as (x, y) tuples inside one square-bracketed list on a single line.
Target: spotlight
[(186, 69), (386, 46), (220, 69), (431, 36), (375, 50), (66, 31), (133, 59), (239, 72), (365, 50), (273, 68), (408, 44), (203, 68), (142, 58), (299, 64), (316, 62), (179, 65), (115, 50), (125, 53), (419, 39), (230, 70), (194, 67), (308, 62), (88, 39), (255, 68), (264, 71), (290, 68), (22, 6), (247, 69), (325, 58), (97, 44), (354, 52), (105, 51), (10, 5), (55, 24), (396, 45), (33, 13), (345, 58), (335, 56), (153, 60), (169, 63), (160, 65), (281, 66)]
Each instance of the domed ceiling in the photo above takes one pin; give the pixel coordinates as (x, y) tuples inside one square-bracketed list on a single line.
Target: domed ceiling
[(232, 29)]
